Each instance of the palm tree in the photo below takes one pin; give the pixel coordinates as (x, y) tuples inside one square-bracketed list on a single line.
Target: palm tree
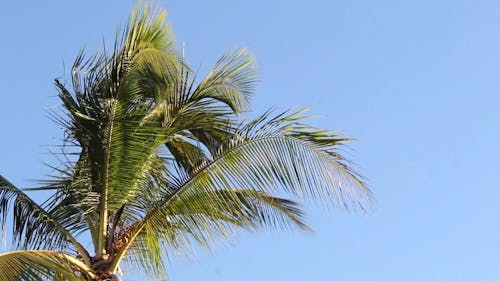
[(158, 160)]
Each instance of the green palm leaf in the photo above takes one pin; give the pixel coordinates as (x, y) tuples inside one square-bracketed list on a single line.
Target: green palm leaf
[(208, 217), (33, 226), (42, 265), (231, 81), (266, 156)]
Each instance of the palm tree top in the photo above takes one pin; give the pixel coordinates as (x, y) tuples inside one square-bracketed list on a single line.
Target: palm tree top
[(159, 159)]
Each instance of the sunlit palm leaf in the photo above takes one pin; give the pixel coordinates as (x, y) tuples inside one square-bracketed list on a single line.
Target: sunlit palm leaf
[(266, 156), (42, 265), (207, 217), (273, 154)]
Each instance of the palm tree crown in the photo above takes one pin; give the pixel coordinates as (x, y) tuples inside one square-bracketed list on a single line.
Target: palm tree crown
[(159, 159)]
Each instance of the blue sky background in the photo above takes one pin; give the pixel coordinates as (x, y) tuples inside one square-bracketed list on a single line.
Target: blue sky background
[(415, 82)]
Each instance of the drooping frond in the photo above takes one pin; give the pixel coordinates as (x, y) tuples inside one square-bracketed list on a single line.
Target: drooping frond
[(72, 202), (41, 266), (208, 217), (34, 227), (235, 187), (205, 215), (281, 154)]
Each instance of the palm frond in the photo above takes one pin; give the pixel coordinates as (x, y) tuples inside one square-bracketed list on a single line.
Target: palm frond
[(209, 217), (231, 81), (33, 226), (42, 265), (266, 156), (280, 153), (239, 207)]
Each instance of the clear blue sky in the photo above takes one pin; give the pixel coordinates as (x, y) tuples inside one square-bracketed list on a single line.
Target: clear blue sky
[(417, 83)]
